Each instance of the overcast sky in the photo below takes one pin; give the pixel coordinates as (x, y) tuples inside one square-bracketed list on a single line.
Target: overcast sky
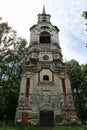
[(65, 14)]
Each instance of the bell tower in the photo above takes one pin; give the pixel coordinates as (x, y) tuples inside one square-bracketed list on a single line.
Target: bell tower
[(45, 96)]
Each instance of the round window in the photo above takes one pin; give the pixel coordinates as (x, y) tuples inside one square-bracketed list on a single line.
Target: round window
[(45, 57)]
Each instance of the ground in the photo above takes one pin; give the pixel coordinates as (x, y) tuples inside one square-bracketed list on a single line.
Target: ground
[(13, 127)]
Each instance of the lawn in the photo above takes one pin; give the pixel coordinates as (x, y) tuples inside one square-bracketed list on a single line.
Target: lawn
[(9, 127)]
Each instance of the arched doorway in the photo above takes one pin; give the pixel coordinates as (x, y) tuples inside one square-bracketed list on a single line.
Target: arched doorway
[(45, 78), (45, 38)]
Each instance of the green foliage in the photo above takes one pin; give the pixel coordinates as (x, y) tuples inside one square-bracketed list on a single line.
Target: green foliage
[(84, 14), (12, 57), (78, 78), (7, 40), (75, 73), (84, 79)]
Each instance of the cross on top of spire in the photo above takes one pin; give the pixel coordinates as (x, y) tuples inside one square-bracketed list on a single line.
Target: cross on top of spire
[(43, 12)]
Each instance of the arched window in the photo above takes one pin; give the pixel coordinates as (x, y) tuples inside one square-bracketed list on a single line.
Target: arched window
[(45, 38), (46, 78)]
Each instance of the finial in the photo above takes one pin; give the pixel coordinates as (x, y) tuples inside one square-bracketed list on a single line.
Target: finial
[(43, 12)]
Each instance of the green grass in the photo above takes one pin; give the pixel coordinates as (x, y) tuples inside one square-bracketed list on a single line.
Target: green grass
[(78, 127), (20, 128), (9, 127)]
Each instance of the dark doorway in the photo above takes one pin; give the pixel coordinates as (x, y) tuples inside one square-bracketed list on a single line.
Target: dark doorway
[(46, 118)]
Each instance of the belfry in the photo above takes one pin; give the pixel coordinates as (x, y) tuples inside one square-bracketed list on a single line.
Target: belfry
[(45, 96)]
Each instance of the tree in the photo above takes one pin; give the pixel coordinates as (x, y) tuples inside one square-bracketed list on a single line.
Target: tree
[(12, 56), (84, 90), (79, 87), (7, 39), (84, 79), (75, 74), (85, 16)]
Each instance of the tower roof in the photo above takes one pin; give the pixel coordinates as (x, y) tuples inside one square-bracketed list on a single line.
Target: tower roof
[(43, 17), (43, 12)]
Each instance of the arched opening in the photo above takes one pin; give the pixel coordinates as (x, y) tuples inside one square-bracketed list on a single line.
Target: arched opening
[(45, 38), (46, 78)]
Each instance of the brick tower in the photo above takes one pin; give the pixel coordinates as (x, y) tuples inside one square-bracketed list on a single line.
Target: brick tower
[(45, 96)]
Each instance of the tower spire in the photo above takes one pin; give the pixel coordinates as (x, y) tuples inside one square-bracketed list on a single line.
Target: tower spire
[(43, 12)]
